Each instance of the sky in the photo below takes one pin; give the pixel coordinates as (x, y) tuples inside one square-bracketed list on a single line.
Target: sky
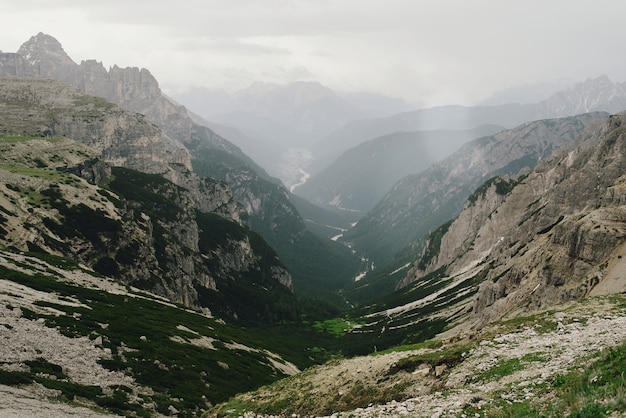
[(428, 52)]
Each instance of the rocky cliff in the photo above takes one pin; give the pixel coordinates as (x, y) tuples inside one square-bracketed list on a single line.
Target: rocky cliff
[(418, 204), (555, 235), (270, 211), (180, 242)]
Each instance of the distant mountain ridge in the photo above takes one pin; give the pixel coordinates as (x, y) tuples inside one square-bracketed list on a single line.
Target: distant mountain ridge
[(594, 94), (361, 176), (275, 118)]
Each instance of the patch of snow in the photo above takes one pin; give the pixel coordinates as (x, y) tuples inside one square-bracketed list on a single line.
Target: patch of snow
[(400, 269)]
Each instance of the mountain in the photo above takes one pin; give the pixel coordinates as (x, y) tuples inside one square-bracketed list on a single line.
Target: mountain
[(528, 93), (278, 123), (512, 308), (210, 154), (360, 177), (552, 236), (418, 204), (286, 114), (594, 94), (598, 94), (143, 230), (519, 245)]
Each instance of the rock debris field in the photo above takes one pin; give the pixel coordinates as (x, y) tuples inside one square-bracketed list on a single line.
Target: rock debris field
[(562, 342)]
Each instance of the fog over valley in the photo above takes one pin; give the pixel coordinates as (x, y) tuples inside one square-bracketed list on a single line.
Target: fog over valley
[(298, 208)]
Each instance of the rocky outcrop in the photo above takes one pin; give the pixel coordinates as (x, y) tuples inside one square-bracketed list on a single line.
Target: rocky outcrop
[(418, 204), (553, 237), (46, 57), (148, 232)]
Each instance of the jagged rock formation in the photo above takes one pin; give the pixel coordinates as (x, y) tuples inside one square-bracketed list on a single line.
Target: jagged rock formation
[(553, 236), (593, 94), (138, 91), (149, 231), (418, 204)]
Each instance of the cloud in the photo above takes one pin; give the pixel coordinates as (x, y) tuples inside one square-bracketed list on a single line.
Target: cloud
[(431, 52)]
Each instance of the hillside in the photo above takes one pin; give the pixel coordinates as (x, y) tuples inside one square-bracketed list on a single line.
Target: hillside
[(418, 204), (267, 203), (75, 343), (361, 176), (566, 361)]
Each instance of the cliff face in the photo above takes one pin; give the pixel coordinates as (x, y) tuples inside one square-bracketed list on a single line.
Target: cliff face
[(183, 141), (557, 234), (179, 239), (420, 203)]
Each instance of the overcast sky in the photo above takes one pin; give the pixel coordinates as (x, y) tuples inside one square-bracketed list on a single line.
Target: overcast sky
[(429, 52)]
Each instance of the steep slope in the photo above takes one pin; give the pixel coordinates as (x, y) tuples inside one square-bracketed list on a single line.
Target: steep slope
[(318, 265), (75, 343), (566, 361), (137, 90), (556, 236), (418, 204), (146, 231), (361, 176)]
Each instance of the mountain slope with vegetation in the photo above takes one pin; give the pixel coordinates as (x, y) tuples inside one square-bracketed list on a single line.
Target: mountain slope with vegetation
[(565, 361), (361, 176), (418, 204), (73, 338), (515, 308), (269, 210)]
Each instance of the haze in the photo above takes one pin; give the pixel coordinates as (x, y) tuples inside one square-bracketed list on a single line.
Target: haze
[(429, 53)]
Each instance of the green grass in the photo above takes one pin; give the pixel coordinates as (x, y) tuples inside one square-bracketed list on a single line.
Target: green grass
[(449, 356), (593, 391), (503, 368), (41, 173), (337, 326)]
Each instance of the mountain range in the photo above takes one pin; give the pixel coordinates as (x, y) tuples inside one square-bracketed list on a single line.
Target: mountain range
[(151, 268), (392, 232), (267, 204), (275, 120), (326, 183)]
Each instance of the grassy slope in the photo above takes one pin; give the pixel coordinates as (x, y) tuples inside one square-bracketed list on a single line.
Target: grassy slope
[(569, 360)]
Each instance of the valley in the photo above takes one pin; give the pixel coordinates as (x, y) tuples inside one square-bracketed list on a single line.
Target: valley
[(449, 261)]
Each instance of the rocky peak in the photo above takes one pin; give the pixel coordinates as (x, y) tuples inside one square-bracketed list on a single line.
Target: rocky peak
[(555, 236), (594, 94), (47, 56)]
